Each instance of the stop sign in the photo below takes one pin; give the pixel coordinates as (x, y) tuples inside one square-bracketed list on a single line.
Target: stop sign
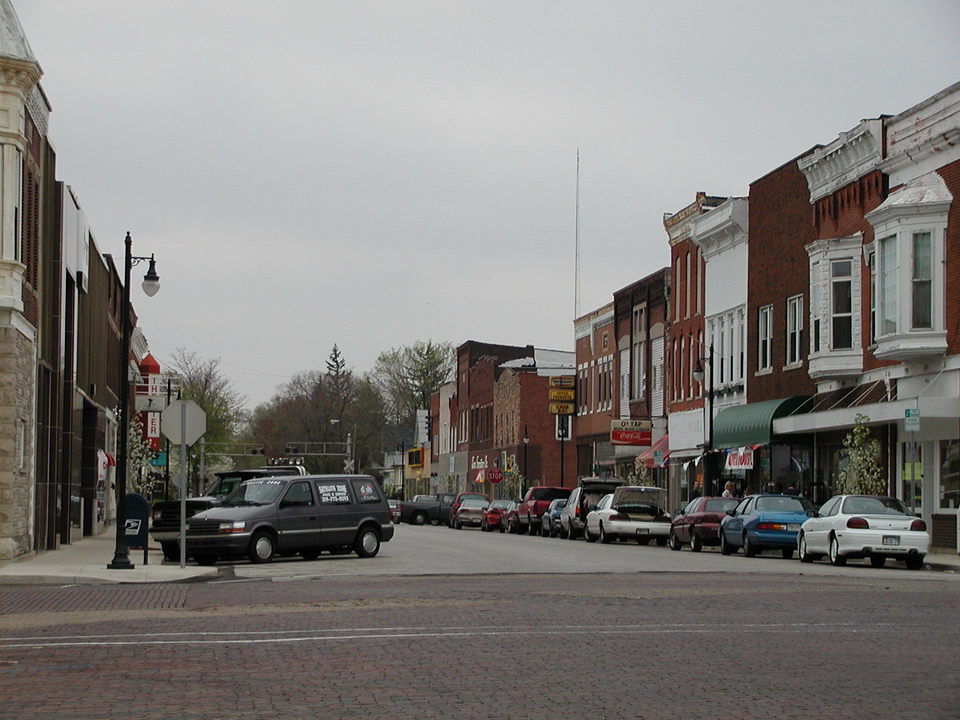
[(494, 475), (183, 421)]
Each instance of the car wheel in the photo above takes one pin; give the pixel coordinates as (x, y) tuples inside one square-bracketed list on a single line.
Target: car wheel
[(878, 561), (749, 549), (529, 526), (310, 553), (563, 533), (802, 549), (367, 543), (725, 548), (571, 533), (420, 518), (835, 557), (262, 547), (914, 562), (586, 534), (457, 525), (696, 542), (500, 527), (672, 542), (171, 550), (786, 553), (604, 537)]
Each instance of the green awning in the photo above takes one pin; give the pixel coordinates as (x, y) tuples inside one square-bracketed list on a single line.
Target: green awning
[(751, 424)]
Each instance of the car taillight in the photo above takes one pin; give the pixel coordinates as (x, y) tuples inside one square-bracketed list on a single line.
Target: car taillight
[(576, 511), (858, 523), (771, 526), (918, 525), (619, 516)]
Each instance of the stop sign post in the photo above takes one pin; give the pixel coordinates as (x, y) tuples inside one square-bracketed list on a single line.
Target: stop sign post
[(183, 422)]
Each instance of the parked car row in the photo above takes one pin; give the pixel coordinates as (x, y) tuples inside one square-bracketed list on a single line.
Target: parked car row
[(845, 527)]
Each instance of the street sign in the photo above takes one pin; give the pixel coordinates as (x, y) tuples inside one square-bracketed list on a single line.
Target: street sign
[(183, 421), (911, 419), (562, 395), (494, 475), (563, 381), (561, 408)]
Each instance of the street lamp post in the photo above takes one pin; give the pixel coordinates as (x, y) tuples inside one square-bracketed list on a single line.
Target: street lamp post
[(698, 374), (151, 284), (526, 443)]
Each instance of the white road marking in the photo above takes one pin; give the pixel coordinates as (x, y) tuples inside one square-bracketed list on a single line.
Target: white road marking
[(334, 635)]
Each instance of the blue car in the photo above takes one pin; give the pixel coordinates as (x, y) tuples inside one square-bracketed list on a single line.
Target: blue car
[(761, 522)]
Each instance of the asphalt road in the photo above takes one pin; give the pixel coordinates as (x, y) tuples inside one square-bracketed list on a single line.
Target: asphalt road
[(627, 638)]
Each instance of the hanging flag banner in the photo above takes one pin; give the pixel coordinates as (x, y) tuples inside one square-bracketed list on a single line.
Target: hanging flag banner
[(740, 459)]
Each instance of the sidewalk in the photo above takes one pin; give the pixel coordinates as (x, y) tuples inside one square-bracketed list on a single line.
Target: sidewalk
[(86, 560)]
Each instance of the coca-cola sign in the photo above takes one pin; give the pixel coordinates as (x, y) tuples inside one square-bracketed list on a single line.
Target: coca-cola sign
[(630, 432)]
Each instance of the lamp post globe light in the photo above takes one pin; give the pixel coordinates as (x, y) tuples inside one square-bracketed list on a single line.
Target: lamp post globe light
[(151, 284)]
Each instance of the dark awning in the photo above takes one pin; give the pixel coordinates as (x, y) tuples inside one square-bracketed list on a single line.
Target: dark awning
[(751, 424)]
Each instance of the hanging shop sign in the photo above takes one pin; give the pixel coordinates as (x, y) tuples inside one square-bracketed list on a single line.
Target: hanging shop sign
[(631, 432), (740, 459)]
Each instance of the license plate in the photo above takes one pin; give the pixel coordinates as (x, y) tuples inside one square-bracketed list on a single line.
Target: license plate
[(793, 526), (643, 531), (891, 539)]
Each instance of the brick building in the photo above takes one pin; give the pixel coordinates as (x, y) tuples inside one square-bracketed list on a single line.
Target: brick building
[(685, 344), (884, 319), (640, 316), (495, 415)]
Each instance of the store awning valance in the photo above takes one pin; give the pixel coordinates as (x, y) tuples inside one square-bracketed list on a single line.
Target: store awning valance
[(751, 424), (657, 455)]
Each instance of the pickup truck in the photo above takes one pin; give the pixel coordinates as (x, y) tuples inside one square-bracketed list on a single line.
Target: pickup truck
[(534, 504), (165, 514), (422, 509)]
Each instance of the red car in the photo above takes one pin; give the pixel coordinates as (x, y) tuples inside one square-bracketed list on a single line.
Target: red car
[(493, 515), (698, 524), (458, 500), (534, 503)]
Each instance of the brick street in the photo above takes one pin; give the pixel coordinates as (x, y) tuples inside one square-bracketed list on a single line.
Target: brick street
[(635, 645)]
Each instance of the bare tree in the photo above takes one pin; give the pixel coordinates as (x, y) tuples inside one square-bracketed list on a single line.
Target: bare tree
[(408, 376)]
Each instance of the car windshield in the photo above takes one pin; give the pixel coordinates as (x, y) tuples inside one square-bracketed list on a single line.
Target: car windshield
[(256, 492), (423, 498), (549, 493), (873, 506), (473, 503), (500, 505), (784, 503), (720, 505), (225, 485)]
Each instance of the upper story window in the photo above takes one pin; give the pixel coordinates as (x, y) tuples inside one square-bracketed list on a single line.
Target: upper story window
[(794, 329), (835, 301), (910, 282), (841, 304), (765, 337)]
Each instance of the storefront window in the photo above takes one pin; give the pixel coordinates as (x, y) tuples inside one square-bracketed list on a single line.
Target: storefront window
[(912, 476), (949, 474)]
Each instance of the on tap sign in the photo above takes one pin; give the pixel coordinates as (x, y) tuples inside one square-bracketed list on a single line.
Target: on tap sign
[(740, 459), (630, 432)]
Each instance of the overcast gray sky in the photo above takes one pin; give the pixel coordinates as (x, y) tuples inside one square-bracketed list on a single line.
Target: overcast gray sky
[(374, 173)]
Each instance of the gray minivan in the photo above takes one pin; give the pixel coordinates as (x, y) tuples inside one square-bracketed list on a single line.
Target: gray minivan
[(304, 515), (583, 499)]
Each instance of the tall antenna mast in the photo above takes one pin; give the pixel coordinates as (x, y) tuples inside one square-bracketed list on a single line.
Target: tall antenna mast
[(576, 299)]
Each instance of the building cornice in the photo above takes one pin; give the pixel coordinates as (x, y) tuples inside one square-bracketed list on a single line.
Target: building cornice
[(929, 129), (852, 155), (721, 228)]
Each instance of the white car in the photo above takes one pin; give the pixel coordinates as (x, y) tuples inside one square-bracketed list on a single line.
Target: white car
[(630, 512), (858, 526)]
